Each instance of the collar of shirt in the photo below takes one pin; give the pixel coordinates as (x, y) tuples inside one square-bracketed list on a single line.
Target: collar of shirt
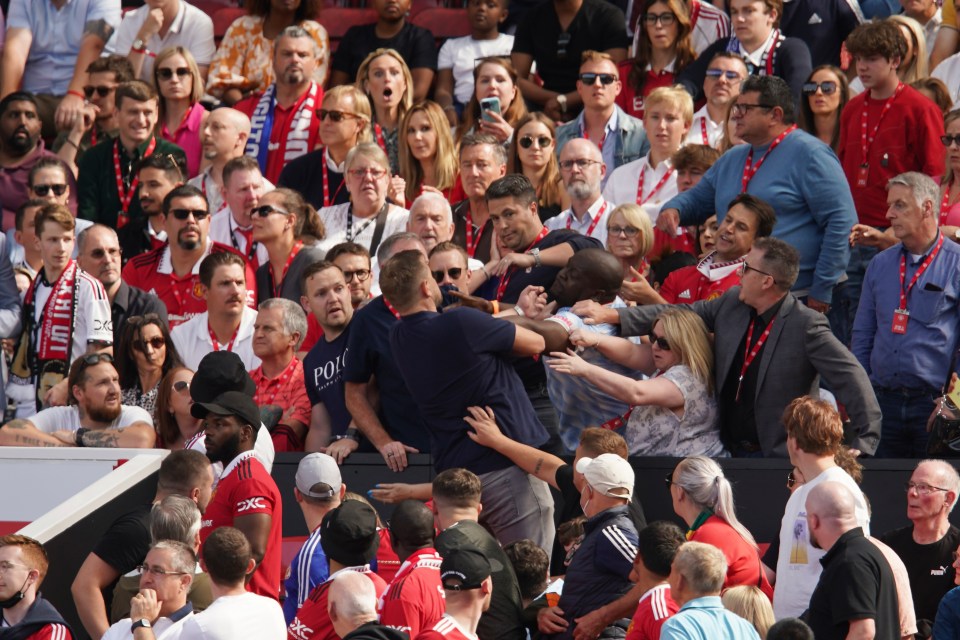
[(610, 127), (669, 68), (121, 301), (159, 235), (331, 165), (839, 545), (703, 114), (181, 613), (703, 602), (756, 57), (713, 270), (244, 331), (768, 315), (166, 264), (177, 25), (233, 463), (588, 217)]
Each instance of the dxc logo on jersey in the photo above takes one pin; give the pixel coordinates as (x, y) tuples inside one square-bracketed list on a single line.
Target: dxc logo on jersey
[(251, 503), (300, 630)]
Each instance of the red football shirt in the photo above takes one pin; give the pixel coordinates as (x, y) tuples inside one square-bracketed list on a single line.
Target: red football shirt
[(655, 607), (446, 629), (286, 391), (313, 621), (414, 601), (688, 284), (246, 489)]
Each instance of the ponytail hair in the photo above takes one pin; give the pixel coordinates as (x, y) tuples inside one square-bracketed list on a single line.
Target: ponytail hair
[(308, 226), (703, 481)]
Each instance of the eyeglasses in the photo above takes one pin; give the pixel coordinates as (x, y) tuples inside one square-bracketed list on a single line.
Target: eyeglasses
[(43, 189), (580, 163), (669, 480), (741, 108), (265, 210), (336, 116), (360, 274), (629, 232), (183, 214), (922, 488), (716, 74), (156, 343), (360, 174), (949, 140), (659, 341), (181, 385), (453, 272), (827, 87), (5, 567), (158, 571), (101, 90), (100, 254), (744, 267), (542, 141), (666, 19), (590, 79), (166, 73)]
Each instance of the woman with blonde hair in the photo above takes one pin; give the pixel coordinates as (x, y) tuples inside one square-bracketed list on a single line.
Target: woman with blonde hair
[(427, 154), (630, 239), (179, 85), (950, 183), (385, 79), (493, 77), (533, 153), (703, 497), (751, 604), (674, 412)]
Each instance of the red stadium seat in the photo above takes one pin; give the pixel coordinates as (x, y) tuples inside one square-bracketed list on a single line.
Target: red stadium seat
[(222, 20), (418, 6), (443, 23), (337, 20)]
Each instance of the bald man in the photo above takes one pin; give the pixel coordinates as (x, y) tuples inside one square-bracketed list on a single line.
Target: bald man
[(856, 596), (223, 136), (582, 171), (352, 606)]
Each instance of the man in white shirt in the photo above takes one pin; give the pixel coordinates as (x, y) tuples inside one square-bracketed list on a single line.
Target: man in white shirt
[(232, 223), (814, 437), (721, 86), (228, 321), (159, 24), (165, 578), (223, 136), (95, 417), (582, 170)]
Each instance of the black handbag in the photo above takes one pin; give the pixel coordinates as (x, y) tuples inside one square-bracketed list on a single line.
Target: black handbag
[(944, 439)]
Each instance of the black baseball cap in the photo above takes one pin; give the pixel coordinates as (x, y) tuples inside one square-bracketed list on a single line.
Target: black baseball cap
[(231, 403), (348, 534), (218, 373), (464, 569)]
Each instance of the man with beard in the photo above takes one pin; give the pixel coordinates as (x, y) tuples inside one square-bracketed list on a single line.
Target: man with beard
[(283, 121), (582, 178), (172, 272), (158, 176), (232, 224), (247, 497), (107, 182), (25, 613), (227, 323), (223, 136), (94, 417), (20, 149), (482, 160), (98, 253)]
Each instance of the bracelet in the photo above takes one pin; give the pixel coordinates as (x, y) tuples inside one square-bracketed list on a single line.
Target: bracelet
[(485, 272), (71, 142), (79, 436), (71, 92), (519, 311), (496, 306)]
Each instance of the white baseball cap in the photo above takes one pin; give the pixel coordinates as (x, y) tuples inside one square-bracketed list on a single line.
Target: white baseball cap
[(314, 469), (607, 472)]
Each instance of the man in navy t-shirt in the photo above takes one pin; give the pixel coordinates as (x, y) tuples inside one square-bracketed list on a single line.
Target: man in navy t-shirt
[(461, 359)]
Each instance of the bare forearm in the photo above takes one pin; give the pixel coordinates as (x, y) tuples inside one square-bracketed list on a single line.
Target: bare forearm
[(20, 433), (91, 609), (138, 436), (364, 414), (14, 62), (620, 387), (539, 464), (90, 49), (623, 607)]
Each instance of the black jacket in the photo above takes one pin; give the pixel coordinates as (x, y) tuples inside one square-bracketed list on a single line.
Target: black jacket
[(40, 614)]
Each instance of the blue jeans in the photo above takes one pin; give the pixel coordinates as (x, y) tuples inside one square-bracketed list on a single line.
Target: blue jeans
[(904, 429), (846, 295)]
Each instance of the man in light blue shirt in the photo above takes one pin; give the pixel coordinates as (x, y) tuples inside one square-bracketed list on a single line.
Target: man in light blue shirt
[(48, 47), (906, 330), (696, 578)]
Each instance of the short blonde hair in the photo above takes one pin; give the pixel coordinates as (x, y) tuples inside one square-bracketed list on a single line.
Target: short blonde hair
[(636, 217), (673, 98), (369, 150), (751, 604), (690, 340), (361, 106)]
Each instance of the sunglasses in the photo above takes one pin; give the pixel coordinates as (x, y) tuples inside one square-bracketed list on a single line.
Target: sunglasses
[(181, 385), (166, 73), (659, 341), (183, 214), (668, 480), (453, 272), (102, 91), (360, 274), (590, 79), (96, 358), (716, 74), (156, 342), (827, 87), (791, 480), (948, 140), (265, 210), (542, 141), (336, 116), (43, 189)]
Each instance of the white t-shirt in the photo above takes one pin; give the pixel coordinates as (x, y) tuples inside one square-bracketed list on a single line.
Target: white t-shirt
[(335, 222), (192, 339), (460, 55), (121, 629), (68, 418), (798, 564), (621, 187), (231, 617), (589, 225), (192, 29)]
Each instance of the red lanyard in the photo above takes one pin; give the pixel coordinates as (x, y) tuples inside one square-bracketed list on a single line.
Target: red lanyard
[(378, 132), (395, 313), (93, 136), (505, 279), (471, 244), (923, 267), (277, 384), (277, 285), (326, 181), (867, 141), (703, 131), (593, 225), (643, 172), (586, 134), (216, 344), (748, 353), (772, 52), (127, 196), (750, 169), (945, 206)]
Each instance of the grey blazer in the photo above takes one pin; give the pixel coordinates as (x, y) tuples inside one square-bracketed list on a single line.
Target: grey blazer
[(800, 349)]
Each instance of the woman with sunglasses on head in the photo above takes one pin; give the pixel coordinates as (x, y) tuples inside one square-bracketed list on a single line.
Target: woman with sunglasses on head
[(386, 80), (664, 49), (493, 77), (703, 497), (427, 154), (290, 229), (144, 355), (532, 153), (179, 85), (176, 426), (674, 412), (825, 94)]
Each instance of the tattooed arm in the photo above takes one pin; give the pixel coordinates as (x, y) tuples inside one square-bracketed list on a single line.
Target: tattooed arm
[(23, 433), (139, 435)]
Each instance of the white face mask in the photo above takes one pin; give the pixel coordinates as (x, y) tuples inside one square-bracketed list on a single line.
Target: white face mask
[(586, 504)]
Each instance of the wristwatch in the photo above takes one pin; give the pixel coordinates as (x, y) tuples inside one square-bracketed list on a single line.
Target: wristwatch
[(79, 436), (536, 257), (562, 101), (138, 46), (142, 623)]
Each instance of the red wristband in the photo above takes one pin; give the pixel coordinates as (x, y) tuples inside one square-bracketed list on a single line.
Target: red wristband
[(71, 92)]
